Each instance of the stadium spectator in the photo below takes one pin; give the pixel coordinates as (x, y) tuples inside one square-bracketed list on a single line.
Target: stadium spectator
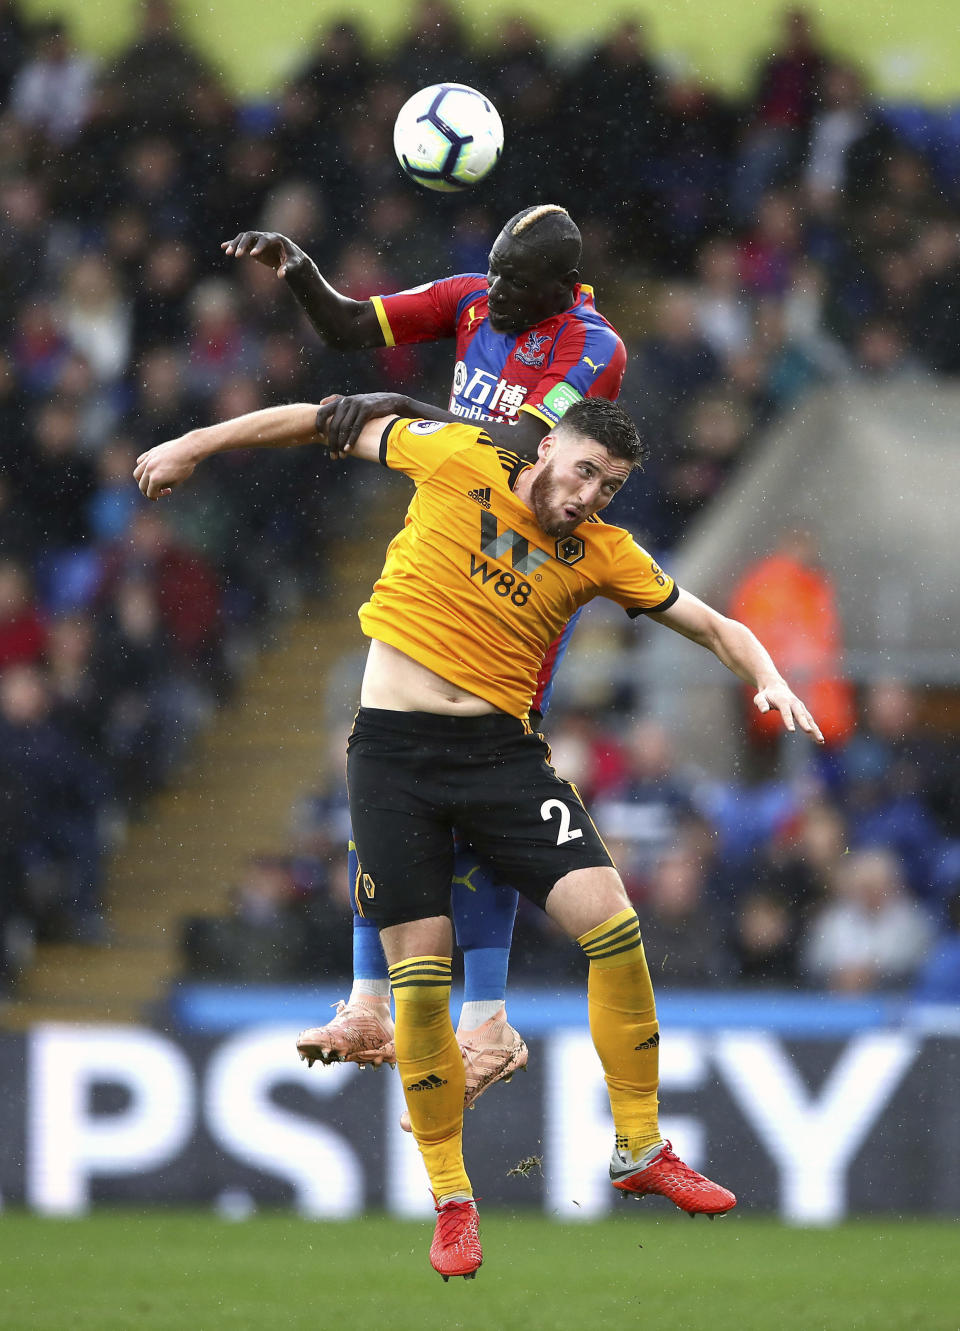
[(260, 940), (935, 325), (51, 93), (155, 76), (161, 409), (161, 299), (77, 703), (337, 64), (682, 935), (653, 800), (13, 410), (111, 508), (38, 346), (787, 93), (808, 642), (98, 405), (790, 372), (723, 307), (712, 435), (884, 769), (871, 935), (94, 316), (61, 796), (797, 865), (23, 628), (848, 139), (153, 179), (186, 586), (437, 47), (25, 233), (152, 708), (763, 938), (58, 479), (671, 365), (771, 249), (686, 178), (250, 170), (587, 750), (625, 83)]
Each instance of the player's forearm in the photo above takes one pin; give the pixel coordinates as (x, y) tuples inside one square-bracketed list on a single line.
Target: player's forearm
[(732, 643), (273, 427), (342, 323), (740, 651), (523, 438)]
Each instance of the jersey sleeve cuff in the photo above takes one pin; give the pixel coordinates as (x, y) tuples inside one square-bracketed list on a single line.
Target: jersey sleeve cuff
[(384, 322), (385, 439), (636, 610), (535, 411)]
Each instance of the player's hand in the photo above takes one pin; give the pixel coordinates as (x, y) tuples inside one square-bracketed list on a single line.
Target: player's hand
[(341, 419), (781, 698), (267, 247), (161, 468)]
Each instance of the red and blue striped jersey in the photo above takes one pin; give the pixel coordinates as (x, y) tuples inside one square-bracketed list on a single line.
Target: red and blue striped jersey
[(543, 370), (571, 355)]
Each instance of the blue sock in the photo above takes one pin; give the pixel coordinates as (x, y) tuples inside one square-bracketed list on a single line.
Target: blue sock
[(483, 915), (369, 963)]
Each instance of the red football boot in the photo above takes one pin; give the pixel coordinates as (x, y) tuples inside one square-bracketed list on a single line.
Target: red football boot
[(455, 1250), (667, 1176)]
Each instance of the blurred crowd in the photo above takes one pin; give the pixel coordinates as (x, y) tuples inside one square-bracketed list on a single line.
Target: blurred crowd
[(746, 249)]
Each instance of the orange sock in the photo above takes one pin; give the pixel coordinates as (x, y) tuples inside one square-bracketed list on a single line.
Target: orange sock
[(431, 1070), (623, 1024)]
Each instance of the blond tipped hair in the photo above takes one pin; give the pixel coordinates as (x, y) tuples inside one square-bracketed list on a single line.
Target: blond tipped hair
[(534, 215)]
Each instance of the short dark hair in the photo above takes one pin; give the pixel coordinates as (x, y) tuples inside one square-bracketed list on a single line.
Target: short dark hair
[(551, 231), (600, 419)]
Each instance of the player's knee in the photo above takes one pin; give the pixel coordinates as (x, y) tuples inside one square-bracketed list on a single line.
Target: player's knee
[(585, 898)]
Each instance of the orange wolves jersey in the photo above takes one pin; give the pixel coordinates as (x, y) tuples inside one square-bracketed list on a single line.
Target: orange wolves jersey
[(472, 588)]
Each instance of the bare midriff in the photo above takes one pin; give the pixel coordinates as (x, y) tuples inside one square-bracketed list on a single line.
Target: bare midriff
[(396, 682)]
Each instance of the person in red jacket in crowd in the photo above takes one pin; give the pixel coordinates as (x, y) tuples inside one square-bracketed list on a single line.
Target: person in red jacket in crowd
[(807, 640), (23, 633)]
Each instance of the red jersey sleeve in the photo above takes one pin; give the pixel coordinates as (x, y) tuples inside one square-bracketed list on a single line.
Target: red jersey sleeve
[(427, 313)]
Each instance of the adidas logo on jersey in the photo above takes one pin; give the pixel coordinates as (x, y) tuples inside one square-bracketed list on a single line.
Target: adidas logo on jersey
[(430, 1083), (481, 496), (652, 1043)]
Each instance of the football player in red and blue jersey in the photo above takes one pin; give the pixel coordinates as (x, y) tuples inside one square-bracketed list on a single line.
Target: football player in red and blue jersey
[(529, 343)]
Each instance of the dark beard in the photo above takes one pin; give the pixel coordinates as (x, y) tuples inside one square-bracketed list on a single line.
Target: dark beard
[(541, 494)]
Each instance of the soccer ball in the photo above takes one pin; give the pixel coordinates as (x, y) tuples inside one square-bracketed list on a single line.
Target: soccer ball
[(448, 137)]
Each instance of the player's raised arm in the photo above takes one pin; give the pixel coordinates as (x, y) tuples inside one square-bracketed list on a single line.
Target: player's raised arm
[(167, 465), (343, 418), (341, 322), (743, 653)]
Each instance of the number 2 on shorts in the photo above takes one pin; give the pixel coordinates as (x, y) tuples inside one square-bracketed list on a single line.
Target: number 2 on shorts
[(566, 833)]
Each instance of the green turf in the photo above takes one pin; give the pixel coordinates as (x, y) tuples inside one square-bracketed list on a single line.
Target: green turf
[(122, 1271)]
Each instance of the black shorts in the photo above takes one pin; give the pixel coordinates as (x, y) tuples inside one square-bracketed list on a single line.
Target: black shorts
[(413, 777)]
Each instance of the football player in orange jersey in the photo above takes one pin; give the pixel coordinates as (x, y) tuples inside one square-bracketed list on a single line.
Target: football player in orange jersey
[(470, 597)]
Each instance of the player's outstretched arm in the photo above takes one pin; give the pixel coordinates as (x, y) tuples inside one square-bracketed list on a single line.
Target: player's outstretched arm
[(167, 465), (743, 653), (344, 418), (342, 323)]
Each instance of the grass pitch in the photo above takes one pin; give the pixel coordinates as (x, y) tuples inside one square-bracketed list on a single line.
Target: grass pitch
[(175, 1271)]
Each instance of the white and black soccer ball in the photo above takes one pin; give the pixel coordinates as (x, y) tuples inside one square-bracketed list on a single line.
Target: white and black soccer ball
[(448, 137)]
